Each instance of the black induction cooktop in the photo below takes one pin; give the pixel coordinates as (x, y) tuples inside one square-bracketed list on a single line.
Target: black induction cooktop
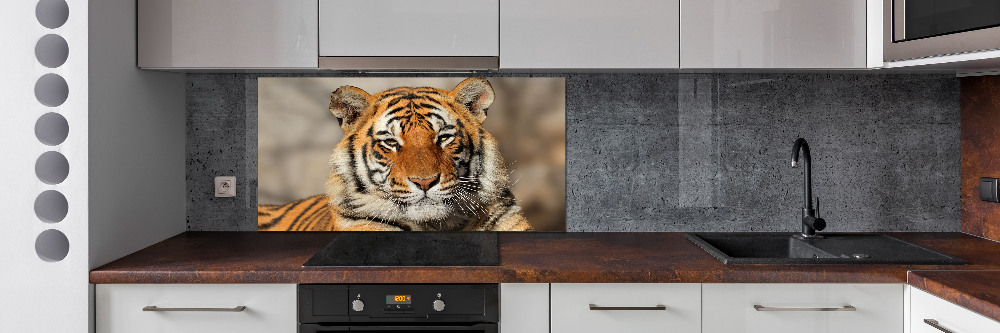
[(405, 248)]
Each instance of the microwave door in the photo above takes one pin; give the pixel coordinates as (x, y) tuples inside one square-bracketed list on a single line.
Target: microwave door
[(914, 29), (916, 19)]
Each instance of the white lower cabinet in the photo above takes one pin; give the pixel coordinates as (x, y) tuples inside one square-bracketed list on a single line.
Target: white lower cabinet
[(524, 308), (626, 307), (196, 308), (802, 308), (930, 314)]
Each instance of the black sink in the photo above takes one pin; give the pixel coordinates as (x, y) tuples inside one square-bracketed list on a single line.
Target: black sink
[(787, 248)]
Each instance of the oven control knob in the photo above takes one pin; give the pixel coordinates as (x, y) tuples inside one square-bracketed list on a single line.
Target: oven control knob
[(358, 305), (438, 305)]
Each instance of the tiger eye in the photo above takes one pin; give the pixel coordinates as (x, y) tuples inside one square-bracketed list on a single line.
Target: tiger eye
[(390, 143)]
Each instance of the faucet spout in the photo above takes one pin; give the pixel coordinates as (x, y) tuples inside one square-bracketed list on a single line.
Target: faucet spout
[(803, 146), (810, 222)]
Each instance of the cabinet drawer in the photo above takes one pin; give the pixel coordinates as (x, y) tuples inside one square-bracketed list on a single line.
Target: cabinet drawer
[(729, 308), (633, 308), (949, 316), (269, 308)]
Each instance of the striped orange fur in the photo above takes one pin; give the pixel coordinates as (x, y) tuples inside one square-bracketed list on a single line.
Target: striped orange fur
[(312, 213)]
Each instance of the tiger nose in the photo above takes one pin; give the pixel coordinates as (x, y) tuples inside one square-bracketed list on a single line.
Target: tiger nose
[(425, 183)]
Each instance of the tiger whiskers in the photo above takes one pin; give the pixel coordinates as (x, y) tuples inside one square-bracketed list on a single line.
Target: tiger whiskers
[(510, 173), (462, 203), (475, 190), (465, 206), (474, 205)]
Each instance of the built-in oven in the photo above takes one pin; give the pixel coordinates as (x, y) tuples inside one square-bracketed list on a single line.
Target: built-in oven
[(466, 308), (927, 28)]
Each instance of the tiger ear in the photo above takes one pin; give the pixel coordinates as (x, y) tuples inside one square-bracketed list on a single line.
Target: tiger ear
[(347, 104), (476, 94)]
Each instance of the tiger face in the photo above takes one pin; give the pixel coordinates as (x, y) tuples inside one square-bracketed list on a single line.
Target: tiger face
[(418, 153), (417, 158)]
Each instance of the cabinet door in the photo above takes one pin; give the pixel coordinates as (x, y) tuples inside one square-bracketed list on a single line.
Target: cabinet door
[(951, 317), (773, 34), (406, 28), (227, 34), (626, 307), (269, 308), (589, 34), (780, 307), (524, 308)]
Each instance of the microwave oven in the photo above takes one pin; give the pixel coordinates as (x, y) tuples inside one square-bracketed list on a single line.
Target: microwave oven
[(915, 29)]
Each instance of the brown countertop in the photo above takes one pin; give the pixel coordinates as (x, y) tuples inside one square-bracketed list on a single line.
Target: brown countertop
[(978, 291), (261, 257)]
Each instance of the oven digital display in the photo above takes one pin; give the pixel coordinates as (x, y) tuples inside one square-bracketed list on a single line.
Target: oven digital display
[(397, 299)]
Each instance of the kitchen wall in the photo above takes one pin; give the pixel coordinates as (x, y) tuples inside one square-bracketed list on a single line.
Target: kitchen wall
[(980, 153), (682, 152)]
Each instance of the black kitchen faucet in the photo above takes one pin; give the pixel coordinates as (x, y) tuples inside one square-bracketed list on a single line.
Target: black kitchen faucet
[(810, 222)]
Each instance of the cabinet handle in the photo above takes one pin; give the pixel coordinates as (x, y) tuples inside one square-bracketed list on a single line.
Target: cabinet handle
[(935, 324), (233, 309), (630, 308), (759, 307)]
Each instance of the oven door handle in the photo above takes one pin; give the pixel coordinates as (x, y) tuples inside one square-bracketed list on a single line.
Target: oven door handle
[(484, 328)]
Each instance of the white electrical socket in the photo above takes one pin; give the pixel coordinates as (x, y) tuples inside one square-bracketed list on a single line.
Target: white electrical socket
[(225, 186)]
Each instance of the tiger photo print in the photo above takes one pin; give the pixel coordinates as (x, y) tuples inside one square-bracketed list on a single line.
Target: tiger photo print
[(412, 159)]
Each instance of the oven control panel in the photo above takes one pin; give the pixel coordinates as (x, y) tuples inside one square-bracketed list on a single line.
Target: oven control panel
[(399, 303), (402, 302), (419, 299)]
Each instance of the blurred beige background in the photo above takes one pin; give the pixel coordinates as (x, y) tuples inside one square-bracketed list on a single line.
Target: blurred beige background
[(297, 133)]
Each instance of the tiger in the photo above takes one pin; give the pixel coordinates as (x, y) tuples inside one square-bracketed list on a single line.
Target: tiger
[(412, 159)]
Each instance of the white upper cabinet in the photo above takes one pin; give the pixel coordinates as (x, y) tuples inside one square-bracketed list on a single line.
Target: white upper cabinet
[(779, 33), (589, 34), (227, 34), (406, 28)]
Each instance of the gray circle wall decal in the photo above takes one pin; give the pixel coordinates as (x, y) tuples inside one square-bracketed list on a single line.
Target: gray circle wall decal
[(51, 90), (51, 51), (52, 13), (51, 129), (51, 206), (52, 245), (52, 167)]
